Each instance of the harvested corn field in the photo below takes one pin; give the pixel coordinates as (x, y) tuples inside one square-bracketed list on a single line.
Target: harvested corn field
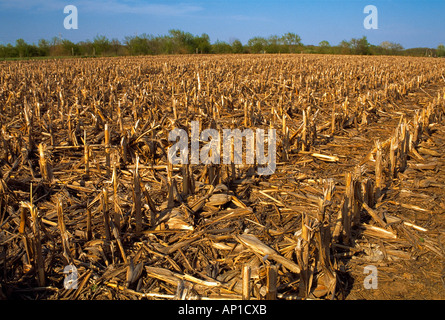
[(92, 208)]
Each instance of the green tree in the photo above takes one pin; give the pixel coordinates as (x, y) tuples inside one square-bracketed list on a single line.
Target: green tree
[(115, 46), (237, 46), (138, 45), (440, 50), (101, 45), (86, 48), (22, 47), (360, 46), (8, 51), (182, 42), (202, 43), (26, 50), (44, 47), (345, 47), (391, 47), (56, 48), (222, 47), (292, 41), (257, 44), (273, 44), (70, 48), (324, 46)]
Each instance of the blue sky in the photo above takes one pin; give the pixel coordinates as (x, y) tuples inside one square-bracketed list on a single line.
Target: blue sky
[(410, 23)]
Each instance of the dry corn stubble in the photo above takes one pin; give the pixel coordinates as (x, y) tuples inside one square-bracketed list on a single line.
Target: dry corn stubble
[(72, 128)]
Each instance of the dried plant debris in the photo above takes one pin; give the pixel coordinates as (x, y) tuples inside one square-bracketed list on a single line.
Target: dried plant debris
[(91, 208)]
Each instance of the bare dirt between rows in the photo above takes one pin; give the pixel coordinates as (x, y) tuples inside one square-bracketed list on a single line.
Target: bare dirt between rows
[(422, 277)]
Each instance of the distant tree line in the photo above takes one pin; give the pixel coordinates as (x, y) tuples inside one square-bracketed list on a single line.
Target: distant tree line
[(180, 42)]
